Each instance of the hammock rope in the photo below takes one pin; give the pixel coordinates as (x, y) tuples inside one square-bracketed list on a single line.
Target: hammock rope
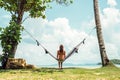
[(46, 51), (74, 50)]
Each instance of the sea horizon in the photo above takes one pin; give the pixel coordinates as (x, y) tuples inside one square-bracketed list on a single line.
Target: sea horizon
[(88, 66)]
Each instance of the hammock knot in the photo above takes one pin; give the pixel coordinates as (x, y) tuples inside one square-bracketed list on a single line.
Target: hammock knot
[(46, 51), (76, 50), (37, 43), (83, 41)]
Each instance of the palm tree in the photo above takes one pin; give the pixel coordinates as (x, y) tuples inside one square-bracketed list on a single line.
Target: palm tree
[(104, 58)]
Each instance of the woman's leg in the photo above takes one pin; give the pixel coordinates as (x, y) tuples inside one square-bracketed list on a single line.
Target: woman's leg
[(59, 64)]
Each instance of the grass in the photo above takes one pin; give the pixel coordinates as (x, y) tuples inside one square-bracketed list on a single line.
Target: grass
[(106, 73)]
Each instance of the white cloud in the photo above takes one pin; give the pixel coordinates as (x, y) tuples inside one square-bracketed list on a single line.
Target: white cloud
[(112, 3), (51, 34), (112, 50), (110, 17)]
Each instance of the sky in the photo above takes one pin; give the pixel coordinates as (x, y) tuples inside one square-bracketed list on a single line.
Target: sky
[(69, 25)]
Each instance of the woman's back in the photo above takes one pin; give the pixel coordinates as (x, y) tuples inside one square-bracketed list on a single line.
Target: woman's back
[(61, 55)]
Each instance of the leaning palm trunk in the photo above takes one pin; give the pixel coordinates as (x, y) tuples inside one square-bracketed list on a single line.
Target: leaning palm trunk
[(104, 58)]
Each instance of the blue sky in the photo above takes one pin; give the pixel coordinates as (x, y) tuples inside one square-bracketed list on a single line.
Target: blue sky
[(68, 25)]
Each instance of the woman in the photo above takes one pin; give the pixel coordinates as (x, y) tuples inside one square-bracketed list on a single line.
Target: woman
[(60, 56)]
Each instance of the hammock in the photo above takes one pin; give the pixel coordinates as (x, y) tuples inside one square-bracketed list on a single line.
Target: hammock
[(74, 50)]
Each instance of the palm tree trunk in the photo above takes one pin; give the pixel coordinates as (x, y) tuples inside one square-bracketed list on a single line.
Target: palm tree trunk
[(104, 58)]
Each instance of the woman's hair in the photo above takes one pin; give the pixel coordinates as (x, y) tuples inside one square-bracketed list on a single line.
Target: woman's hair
[(61, 48)]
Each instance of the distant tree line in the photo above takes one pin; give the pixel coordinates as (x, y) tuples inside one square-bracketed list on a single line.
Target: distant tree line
[(114, 61)]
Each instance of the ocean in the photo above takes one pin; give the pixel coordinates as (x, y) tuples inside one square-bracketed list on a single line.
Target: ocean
[(87, 66)]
